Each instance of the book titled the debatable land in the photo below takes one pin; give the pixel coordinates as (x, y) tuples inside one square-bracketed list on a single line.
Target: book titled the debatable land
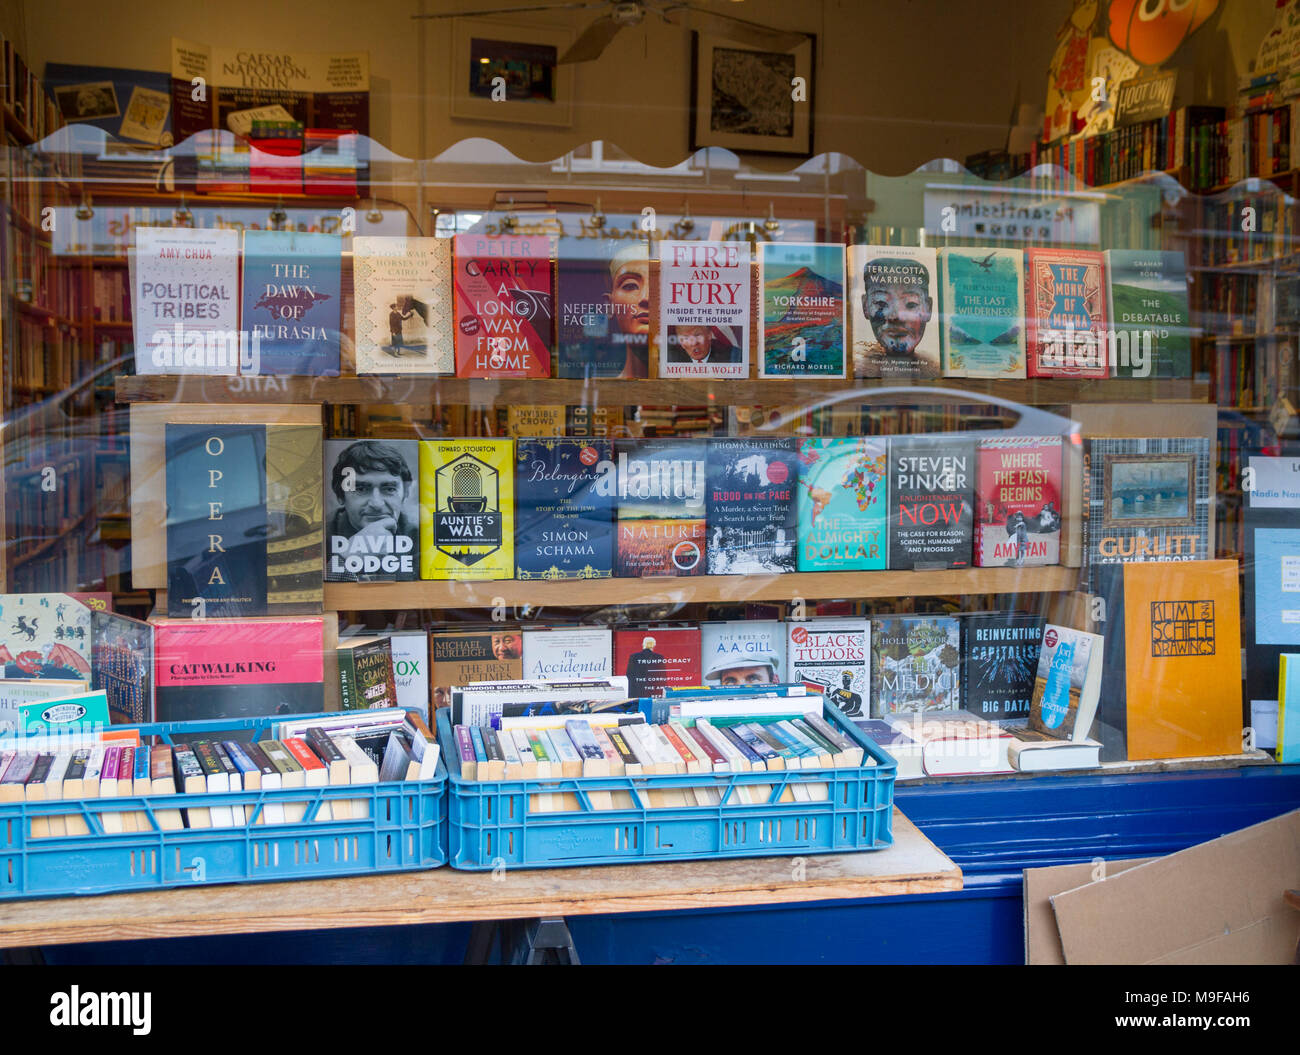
[(704, 309)]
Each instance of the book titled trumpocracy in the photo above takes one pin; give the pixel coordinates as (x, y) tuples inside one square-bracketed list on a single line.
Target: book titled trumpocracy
[(404, 314), (372, 510), (291, 294), (704, 309), (983, 322), (843, 504), (802, 298), (661, 507), (504, 304), (564, 509), (467, 509), (657, 659), (893, 304), (931, 502), (751, 506)]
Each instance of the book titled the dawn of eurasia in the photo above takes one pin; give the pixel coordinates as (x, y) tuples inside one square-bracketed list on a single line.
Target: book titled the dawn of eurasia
[(751, 507), (1018, 486), (983, 323), (372, 510), (704, 309), (893, 311), (999, 658), (504, 305), (467, 503), (1065, 306), (833, 657), (661, 507), (564, 508), (931, 496), (843, 504), (915, 664), (1149, 313), (291, 301), (802, 296), (403, 307)]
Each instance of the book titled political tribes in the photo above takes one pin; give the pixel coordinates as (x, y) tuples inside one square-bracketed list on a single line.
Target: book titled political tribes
[(245, 520), (658, 658), (366, 677), (1065, 307), (751, 507), (704, 309), (661, 507), (743, 652), (1148, 310), (504, 305), (893, 311), (915, 664), (564, 508), (292, 290), (982, 330), (833, 657), (603, 317), (467, 509), (403, 308), (999, 660), (185, 304), (1018, 487), (801, 288), (372, 510), (931, 496), (843, 504)]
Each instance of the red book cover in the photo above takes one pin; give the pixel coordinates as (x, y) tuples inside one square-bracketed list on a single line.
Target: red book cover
[(656, 659), (1065, 308), (304, 755), (1018, 482), (505, 324)]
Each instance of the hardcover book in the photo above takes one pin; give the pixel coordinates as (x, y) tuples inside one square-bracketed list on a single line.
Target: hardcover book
[(657, 659), (802, 295), (462, 657), (1067, 683), (372, 510), (45, 635), (893, 300), (403, 307), (704, 309), (1018, 487), (122, 665), (185, 304), (505, 324), (1065, 307), (1148, 308), (567, 654), (833, 657), (931, 496), (999, 661), (564, 509), (743, 653), (366, 679), (1288, 708), (751, 507), (467, 505), (982, 327), (915, 664), (843, 504), (661, 507), (291, 303), (603, 320)]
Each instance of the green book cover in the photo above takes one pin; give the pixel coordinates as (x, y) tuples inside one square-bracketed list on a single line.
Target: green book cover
[(1149, 313), (982, 326), (843, 507)]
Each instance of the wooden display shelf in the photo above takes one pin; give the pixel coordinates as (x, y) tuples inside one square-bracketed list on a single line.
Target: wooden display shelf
[(613, 391), (368, 597)]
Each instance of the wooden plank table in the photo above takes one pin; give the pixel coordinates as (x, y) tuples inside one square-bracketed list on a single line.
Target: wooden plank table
[(913, 865)]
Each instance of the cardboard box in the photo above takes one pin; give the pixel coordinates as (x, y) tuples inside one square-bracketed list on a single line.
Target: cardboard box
[(1042, 939)]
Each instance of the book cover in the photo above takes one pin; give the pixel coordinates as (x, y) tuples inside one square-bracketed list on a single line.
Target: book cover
[(1065, 308), (569, 653), (1270, 544), (662, 513), (833, 657), (893, 298), (505, 324), (843, 504), (1064, 699), (45, 635), (185, 304), (122, 665), (657, 659), (704, 309), (982, 325), (291, 301), (915, 664), (1288, 708), (467, 509), (603, 320), (743, 653), (1018, 486), (1149, 315), (366, 678), (410, 650), (564, 509), (461, 657), (372, 510), (801, 290), (999, 661), (750, 508), (545, 419), (403, 305), (931, 502)]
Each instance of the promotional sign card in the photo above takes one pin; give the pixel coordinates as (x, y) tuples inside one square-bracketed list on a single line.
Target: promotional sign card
[(704, 309), (403, 307), (802, 297), (291, 305)]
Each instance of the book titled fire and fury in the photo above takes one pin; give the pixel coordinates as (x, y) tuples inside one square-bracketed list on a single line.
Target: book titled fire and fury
[(931, 496), (802, 298), (661, 507), (704, 309), (915, 664), (893, 311), (983, 323), (751, 507), (467, 504), (657, 659), (843, 504), (1148, 308), (403, 308), (833, 657), (372, 510), (1018, 482), (505, 313), (291, 301), (564, 508), (1065, 306)]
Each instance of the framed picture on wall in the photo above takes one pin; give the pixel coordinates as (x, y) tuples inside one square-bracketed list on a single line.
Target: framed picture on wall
[(510, 73), (747, 99)]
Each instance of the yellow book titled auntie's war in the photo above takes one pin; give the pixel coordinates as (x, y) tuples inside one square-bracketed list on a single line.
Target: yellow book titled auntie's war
[(467, 507)]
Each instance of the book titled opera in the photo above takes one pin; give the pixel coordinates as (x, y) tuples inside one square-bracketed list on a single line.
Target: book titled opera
[(704, 309)]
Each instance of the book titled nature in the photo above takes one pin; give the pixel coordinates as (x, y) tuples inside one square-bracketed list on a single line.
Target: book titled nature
[(661, 508), (372, 510), (802, 297), (403, 307), (1065, 305), (564, 509), (704, 309), (915, 664), (1018, 484), (893, 311), (843, 504), (999, 657), (504, 305), (603, 319), (751, 506), (983, 324), (467, 509), (1149, 313), (833, 657), (931, 495), (291, 301)]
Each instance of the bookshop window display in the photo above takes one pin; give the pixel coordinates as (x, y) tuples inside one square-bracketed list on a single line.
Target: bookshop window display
[(932, 475)]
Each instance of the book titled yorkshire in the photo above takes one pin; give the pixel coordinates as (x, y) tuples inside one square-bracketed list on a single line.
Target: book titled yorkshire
[(504, 305), (186, 301), (291, 310), (564, 509), (661, 508), (1065, 308), (1149, 313), (893, 308), (802, 297), (404, 316), (982, 328), (467, 490), (843, 504), (931, 497), (751, 505), (1018, 483), (704, 302)]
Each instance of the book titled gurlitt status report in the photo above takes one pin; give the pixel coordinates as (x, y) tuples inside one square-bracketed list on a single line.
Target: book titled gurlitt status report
[(661, 507), (505, 318), (467, 509), (404, 316), (704, 309), (802, 297), (292, 289)]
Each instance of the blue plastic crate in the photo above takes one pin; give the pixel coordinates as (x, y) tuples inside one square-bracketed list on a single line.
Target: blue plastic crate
[(490, 824), (406, 831)]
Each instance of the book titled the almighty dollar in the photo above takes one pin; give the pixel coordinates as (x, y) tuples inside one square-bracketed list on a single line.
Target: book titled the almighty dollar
[(292, 289), (893, 309), (467, 509), (504, 303), (751, 506), (802, 297), (564, 509), (661, 507), (404, 316), (704, 309), (843, 504), (983, 322), (372, 510)]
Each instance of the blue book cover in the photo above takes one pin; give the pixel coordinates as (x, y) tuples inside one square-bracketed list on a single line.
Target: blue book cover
[(803, 309), (751, 505), (564, 509), (982, 328), (291, 297), (1277, 586), (843, 504), (1288, 711)]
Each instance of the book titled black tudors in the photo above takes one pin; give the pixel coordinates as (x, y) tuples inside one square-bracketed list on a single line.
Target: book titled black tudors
[(564, 509), (931, 502), (752, 515), (999, 660)]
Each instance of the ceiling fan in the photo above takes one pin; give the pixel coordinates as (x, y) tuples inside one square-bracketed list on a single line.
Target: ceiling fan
[(619, 14)]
